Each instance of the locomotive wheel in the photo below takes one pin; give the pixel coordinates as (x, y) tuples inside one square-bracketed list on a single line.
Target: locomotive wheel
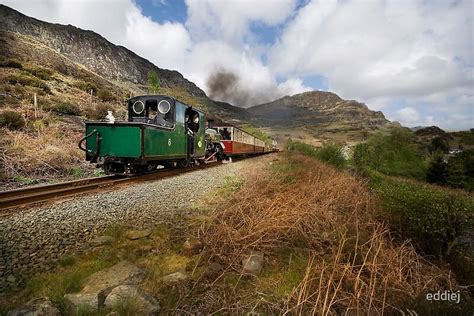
[(184, 163)]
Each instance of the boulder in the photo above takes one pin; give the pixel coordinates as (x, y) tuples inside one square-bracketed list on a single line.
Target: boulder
[(123, 272), (142, 302), (253, 263), (99, 285), (36, 307), (102, 240), (82, 301), (137, 234), (175, 277)]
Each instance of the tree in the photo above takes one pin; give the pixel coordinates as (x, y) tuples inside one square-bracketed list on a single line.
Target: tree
[(153, 83)]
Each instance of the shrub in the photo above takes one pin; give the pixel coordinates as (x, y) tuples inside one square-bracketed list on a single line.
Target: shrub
[(98, 112), (41, 73), (435, 218), (12, 120), (105, 95), (11, 63), (26, 80), (64, 108), (85, 86), (393, 154), (456, 172), (329, 153)]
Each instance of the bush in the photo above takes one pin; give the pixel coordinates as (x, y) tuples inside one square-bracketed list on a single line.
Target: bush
[(436, 219), (41, 73), (105, 95), (85, 86), (329, 153), (456, 172), (64, 108), (393, 154), (12, 120), (11, 63), (26, 80), (98, 112)]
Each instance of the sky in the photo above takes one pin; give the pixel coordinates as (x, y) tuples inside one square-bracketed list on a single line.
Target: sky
[(411, 59)]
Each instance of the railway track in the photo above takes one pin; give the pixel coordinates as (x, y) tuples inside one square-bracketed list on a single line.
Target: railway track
[(19, 198)]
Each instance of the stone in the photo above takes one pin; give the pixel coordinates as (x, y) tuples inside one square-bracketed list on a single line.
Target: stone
[(82, 301), (253, 263), (11, 279), (36, 307), (123, 272), (192, 246), (143, 302), (137, 234), (101, 241), (175, 277)]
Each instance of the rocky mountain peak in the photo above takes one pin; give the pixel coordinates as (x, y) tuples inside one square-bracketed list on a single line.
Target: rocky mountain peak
[(92, 51)]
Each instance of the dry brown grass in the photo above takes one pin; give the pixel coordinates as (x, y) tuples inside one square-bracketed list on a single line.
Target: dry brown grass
[(352, 265)]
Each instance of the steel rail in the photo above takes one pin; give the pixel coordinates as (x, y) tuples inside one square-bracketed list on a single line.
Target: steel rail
[(42, 193)]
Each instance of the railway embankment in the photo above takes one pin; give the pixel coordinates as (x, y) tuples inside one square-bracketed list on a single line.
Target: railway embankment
[(34, 240)]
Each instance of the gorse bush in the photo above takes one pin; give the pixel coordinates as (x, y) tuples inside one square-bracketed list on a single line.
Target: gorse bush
[(329, 153), (12, 120), (393, 154)]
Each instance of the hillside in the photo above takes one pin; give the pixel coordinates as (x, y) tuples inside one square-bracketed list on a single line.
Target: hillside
[(319, 114)]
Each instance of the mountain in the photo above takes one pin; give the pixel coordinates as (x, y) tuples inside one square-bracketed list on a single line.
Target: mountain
[(92, 51), (79, 60), (320, 114)]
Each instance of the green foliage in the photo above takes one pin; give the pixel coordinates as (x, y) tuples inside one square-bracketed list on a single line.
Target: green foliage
[(257, 133), (11, 63), (64, 108), (434, 218), (26, 80), (25, 180), (105, 95), (329, 153), (86, 86), (12, 120), (78, 172), (393, 154), (42, 73), (439, 144), (456, 172), (153, 83), (67, 261)]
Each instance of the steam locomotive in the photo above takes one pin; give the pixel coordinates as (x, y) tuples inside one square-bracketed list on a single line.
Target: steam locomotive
[(162, 131)]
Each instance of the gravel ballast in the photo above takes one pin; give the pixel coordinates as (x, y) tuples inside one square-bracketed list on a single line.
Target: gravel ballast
[(32, 241)]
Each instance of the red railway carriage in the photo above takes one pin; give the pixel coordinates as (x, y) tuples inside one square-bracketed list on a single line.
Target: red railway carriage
[(238, 142)]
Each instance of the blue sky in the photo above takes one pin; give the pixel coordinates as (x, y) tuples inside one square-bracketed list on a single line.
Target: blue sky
[(411, 59)]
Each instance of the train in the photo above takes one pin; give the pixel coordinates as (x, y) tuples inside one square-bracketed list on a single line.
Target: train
[(162, 131)]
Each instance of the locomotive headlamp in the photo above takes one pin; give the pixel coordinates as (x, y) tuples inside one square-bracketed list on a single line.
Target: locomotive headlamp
[(138, 107), (164, 107)]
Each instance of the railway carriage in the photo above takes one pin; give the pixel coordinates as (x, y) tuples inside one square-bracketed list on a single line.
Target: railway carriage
[(238, 142), (159, 130)]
